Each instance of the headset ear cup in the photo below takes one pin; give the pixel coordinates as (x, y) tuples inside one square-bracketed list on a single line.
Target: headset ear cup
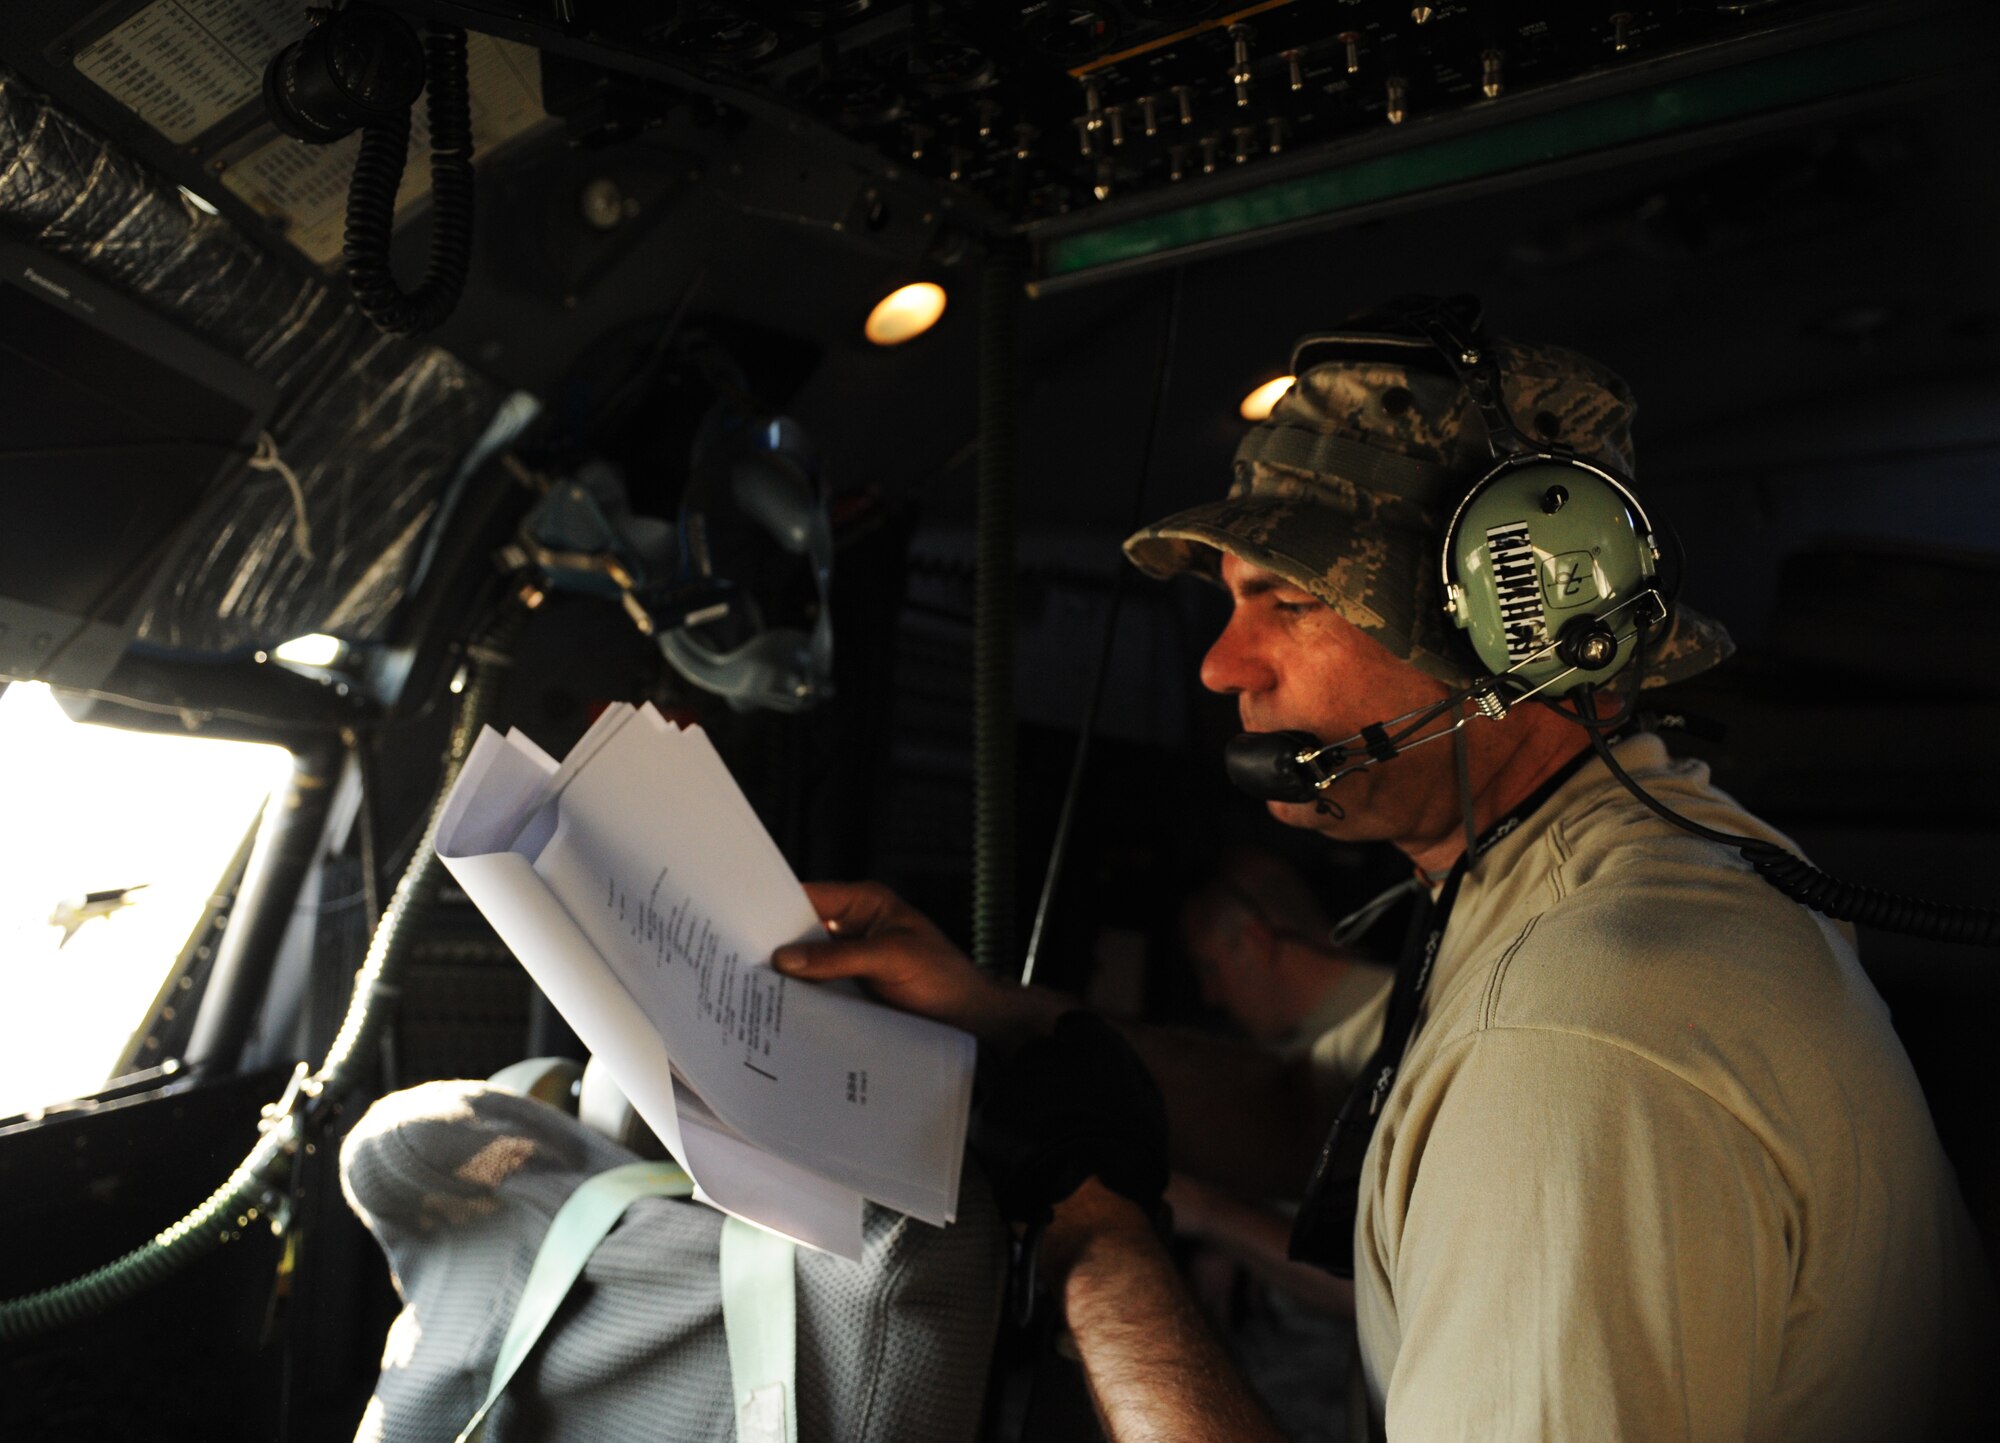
[(1546, 565)]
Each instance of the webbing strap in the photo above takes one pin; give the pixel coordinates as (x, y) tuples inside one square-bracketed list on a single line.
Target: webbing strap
[(578, 1227), (760, 1316), (1306, 449)]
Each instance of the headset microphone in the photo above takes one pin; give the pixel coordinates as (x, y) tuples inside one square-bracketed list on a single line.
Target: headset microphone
[(1272, 766), (1296, 766), (1550, 566)]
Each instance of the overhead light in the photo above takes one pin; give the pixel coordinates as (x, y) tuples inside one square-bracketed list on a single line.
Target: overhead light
[(1257, 405), (906, 312), (310, 650)]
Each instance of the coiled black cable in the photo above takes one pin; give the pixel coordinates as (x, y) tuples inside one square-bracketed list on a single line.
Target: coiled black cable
[(1851, 902), (1800, 880), (371, 200)]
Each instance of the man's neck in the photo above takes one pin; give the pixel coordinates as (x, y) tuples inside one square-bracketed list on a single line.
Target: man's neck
[(1511, 782)]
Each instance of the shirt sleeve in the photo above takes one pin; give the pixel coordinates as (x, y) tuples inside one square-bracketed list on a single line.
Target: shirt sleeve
[(1579, 1245)]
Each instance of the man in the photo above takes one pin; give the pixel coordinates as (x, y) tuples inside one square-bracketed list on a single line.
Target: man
[(1262, 951), (1654, 1164)]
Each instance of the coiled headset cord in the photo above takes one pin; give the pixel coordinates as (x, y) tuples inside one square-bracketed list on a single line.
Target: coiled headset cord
[(1800, 880), (371, 199)]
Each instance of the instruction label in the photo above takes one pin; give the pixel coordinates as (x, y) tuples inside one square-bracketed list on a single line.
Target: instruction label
[(184, 65)]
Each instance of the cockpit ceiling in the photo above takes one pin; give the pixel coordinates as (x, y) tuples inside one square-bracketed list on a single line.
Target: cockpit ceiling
[(1800, 175), (1105, 134)]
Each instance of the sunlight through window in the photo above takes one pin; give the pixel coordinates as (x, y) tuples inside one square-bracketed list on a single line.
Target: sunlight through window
[(110, 846)]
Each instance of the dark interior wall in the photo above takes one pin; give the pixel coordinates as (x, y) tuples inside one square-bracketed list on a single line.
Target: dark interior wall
[(1807, 316)]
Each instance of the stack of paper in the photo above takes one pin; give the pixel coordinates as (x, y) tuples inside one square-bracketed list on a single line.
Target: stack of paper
[(642, 894)]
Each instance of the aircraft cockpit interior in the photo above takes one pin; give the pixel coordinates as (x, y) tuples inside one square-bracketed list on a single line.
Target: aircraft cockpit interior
[(998, 722)]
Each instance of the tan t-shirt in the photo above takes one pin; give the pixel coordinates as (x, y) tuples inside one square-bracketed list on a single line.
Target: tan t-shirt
[(1656, 1166)]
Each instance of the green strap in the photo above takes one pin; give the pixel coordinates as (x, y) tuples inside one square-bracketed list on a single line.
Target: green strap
[(579, 1226), (759, 1314)]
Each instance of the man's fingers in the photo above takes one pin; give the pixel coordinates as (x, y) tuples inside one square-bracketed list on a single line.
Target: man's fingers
[(825, 961), (854, 907)]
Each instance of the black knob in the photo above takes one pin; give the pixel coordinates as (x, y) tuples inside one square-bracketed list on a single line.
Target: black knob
[(1588, 644), (360, 66)]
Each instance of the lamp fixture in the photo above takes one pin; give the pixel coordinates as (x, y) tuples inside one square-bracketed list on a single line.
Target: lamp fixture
[(905, 313)]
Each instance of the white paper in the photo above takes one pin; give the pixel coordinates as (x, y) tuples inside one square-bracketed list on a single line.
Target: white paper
[(685, 896), (642, 894)]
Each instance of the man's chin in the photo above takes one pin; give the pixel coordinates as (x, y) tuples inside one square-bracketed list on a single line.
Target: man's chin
[(1330, 819), (1312, 816)]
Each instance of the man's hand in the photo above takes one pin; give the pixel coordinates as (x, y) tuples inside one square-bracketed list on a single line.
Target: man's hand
[(901, 957), (1090, 1215)]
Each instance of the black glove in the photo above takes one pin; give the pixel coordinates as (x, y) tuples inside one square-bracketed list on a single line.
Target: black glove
[(1073, 1105)]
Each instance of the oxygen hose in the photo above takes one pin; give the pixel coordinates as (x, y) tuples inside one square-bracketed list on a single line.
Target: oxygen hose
[(371, 200), (418, 887), (227, 1210)]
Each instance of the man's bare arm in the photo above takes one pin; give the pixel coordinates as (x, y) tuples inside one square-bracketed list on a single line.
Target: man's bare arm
[(1156, 1372), (1258, 1237), (1237, 1115)]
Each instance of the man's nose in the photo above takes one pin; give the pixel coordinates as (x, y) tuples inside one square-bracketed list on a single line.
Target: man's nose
[(1233, 663)]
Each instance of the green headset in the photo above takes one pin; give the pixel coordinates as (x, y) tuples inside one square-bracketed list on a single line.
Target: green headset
[(1551, 567), (1549, 562)]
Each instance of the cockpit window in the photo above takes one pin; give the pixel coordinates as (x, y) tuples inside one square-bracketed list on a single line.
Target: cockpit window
[(111, 844)]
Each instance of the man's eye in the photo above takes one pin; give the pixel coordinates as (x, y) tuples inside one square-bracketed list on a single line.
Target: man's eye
[(1295, 608)]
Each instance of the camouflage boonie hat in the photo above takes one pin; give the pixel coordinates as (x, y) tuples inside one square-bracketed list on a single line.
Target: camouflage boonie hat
[(1346, 489)]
